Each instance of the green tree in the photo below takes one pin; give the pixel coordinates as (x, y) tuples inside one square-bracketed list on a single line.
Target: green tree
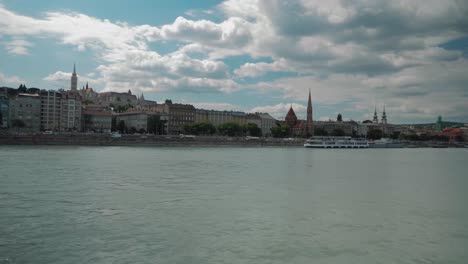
[(230, 129), (253, 130), (114, 124), (132, 130), (200, 128), (374, 134), (320, 132), (88, 102), (395, 135), (339, 118), (123, 108), (33, 90), (22, 88), (338, 132), (87, 120), (18, 123), (206, 128), (280, 131), (121, 127), (155, 125)]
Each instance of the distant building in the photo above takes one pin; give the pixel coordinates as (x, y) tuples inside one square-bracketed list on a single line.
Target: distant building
[(97, 121), (217, 117), (300, 128), (375, 120), (453, 133), (383, 121), (117, 99), (267, 122), (25, 112), (4, 109), (145, 105), (439, 125), (179, 115), (51, 110), (138, 120), (254, 119), (70, 119), (74, 80), (350, 128), (88, 95), (296, 127), (134, 120)]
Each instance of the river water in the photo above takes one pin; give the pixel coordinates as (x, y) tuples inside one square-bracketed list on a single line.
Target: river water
[(232, 205)]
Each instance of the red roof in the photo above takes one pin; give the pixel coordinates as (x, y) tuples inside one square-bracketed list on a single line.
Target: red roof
[(290, 114)]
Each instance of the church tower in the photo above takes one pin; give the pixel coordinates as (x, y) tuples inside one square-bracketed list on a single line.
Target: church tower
[(74, 79), (384, 117), (376, 119), (309, 122)]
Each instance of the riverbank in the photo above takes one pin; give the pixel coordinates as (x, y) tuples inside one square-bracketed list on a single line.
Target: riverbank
[(143, 140), (81, 139)]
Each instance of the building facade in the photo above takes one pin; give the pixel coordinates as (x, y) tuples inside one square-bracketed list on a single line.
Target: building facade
[(179, 115), (4, 109), (267, 122), (97, 121), (117, 99), (350, 128), (88, 95), (253, 118), (70, 119), (50, 111), (217, 117), (25, 112)]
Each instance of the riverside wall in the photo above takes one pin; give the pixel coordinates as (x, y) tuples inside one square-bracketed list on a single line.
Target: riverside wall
[(146, 140)]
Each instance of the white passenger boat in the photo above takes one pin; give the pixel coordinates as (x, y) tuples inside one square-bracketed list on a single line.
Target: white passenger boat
[(336, 142)]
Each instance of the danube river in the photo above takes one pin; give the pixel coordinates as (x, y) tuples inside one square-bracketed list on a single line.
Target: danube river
[(232, 205)]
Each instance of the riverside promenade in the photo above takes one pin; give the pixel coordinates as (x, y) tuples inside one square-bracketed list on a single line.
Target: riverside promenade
[(81, 139)]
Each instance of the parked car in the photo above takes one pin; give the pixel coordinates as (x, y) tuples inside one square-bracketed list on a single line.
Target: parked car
[(116, 135)]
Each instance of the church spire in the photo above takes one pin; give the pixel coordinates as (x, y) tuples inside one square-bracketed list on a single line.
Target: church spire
[(376, 118), (74, 79), (309, 121), (384, 116)]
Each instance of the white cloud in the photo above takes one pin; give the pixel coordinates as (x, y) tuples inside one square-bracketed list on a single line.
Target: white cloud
[(233, 32), (18, 46), (351, 54), (280, 110), (62, 79), (260, 68), (10, 79)]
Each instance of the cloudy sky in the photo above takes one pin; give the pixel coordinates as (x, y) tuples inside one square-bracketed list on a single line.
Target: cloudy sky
[(250, 55)]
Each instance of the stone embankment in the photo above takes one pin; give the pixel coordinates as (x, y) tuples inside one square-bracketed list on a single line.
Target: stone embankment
[(143, 140)]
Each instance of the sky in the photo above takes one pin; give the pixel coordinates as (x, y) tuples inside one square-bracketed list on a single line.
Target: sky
[(250, 55)]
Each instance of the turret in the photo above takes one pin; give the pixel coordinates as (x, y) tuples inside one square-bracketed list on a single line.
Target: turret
[(74, 79), (375, 120), (384, 117)]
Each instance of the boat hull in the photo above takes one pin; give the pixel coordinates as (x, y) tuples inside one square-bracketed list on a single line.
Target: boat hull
[(336, 146)]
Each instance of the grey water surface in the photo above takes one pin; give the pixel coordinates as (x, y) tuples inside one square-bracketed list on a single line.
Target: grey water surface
[(232, 205)]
